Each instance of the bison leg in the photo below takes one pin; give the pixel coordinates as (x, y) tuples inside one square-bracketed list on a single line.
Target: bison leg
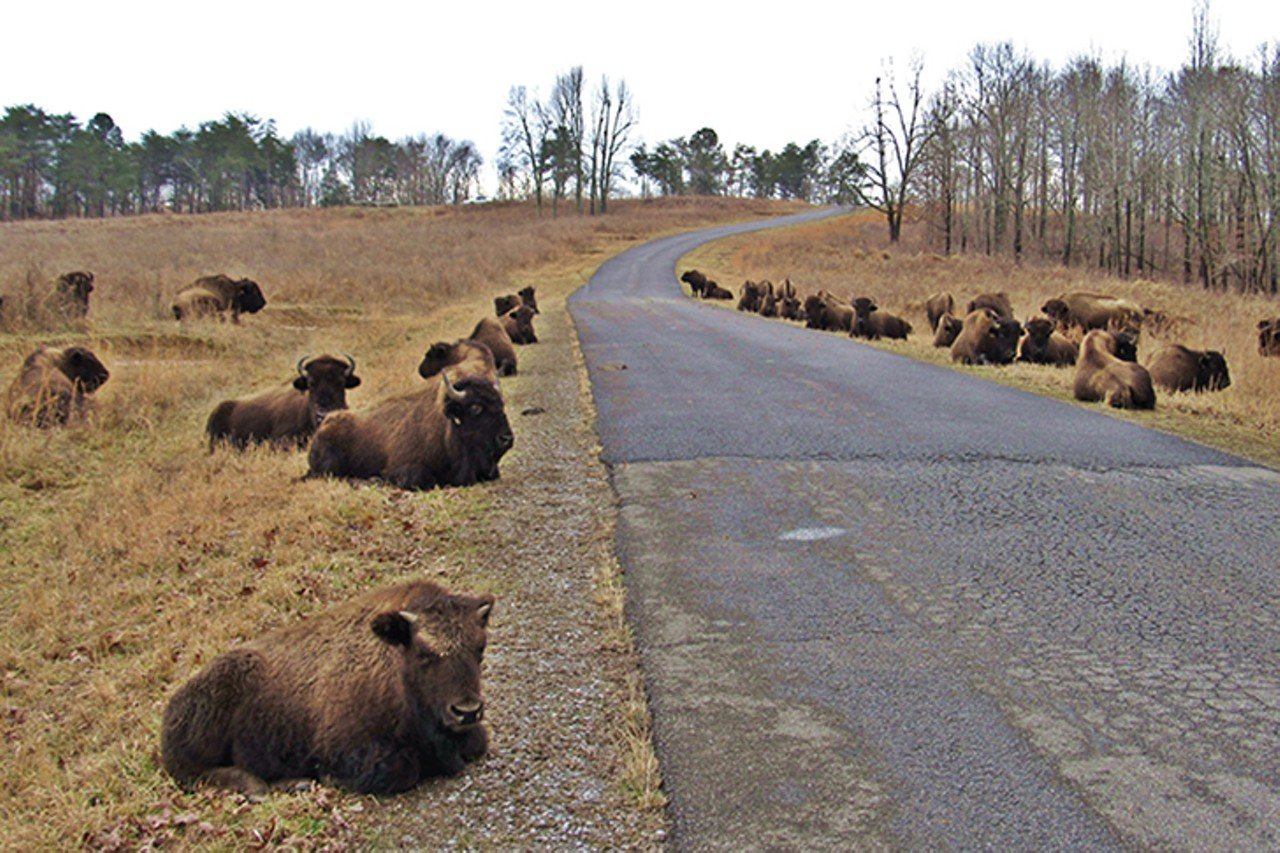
[(379, 768), (235, 779)]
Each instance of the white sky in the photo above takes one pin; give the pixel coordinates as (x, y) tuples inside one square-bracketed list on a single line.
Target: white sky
[(763, 73)]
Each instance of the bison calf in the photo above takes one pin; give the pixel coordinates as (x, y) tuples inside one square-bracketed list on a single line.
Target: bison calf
[(286, 416), (1101, 375), (375, 695), (54, 385)]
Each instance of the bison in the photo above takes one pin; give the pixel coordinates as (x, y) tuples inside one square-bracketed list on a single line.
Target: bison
[(1093, 311), (493, 334), (54, 385), (1100, 375), (1044, 345), (518, 324), (751, 296), (374, 694), (219, 295), (715, 291), (71, 294), (769, 305), (441, 355), (949, 327), (1175, 368), (829, 313), (1269, 337), (937, 305), (452, 433), (505, 304), (286, 416), (997, 303), (697, 282), (872, 323), (986, 338), (789, 308)]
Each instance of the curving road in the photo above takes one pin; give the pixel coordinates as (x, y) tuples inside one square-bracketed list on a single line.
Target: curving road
[(881, 603)]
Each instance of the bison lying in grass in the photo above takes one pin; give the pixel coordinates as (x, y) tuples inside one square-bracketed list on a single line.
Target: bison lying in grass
[(1103, 374), (53, 386), (374, 695), (219, 296), (286, 416)]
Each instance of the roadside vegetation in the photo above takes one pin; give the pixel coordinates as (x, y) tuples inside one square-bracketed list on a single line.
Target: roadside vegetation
[(851, 256), (131, 556)]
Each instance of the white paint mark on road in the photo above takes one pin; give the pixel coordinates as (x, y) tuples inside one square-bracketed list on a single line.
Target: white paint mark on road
[(812, 534)]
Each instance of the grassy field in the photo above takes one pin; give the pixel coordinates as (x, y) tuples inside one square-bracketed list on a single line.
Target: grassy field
[(850, 256), (132, 556)]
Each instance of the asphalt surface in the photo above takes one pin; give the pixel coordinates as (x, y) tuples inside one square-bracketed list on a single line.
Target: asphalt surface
[(882, 604)]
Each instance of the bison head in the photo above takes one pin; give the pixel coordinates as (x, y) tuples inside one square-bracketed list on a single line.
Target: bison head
[(528, 297), (862, 308), (325, 380), (84, 369), (441, 648), (813, 311), (1056, 309), (1126, 346), (522, 325), (248, 297), (1039, 329), (1211, 371), (475, 409), (76, 286)]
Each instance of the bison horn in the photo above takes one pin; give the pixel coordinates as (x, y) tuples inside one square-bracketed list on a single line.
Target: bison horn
[(351, 363), (301, 362), (454, 394)]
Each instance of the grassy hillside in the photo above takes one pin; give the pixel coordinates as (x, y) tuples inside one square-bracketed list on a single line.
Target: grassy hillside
[(131, 556), (849, 256)]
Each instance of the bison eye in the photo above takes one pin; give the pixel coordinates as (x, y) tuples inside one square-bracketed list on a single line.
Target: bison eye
[(476, 410)]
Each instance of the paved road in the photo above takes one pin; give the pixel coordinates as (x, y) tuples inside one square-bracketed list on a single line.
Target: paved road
[(884, 604)]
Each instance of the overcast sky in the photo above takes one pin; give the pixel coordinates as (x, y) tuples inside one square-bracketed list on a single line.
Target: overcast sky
[(763, 73)]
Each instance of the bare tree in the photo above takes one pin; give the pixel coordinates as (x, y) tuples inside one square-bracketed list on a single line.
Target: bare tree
[(526, 131), (613, 118), (897, 140), (569, 127)]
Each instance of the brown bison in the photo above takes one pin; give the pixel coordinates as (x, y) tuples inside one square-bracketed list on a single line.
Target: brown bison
[(286, 416), (751, 296), (986, 338), (505, 304), (221, 296), (715, 291), (1269, 337), (1175, 368), (493, 334), (829, 313), (54, 385), (441, 355), (997, 303), (452, 433), (769, 304), (1093, 311), (949, 327), (1100, 375), (71, 293), (871, 323), (1044, 345), (518, 324), (697, 282), (937, 305), (375, 695), (789, 308)]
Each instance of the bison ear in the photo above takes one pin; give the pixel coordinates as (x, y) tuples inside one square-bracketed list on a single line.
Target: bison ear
[(300, 383), (353, 381), (395, 628)]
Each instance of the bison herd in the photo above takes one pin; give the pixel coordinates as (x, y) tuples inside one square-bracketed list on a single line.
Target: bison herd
[(1095, 333), (384, 690)]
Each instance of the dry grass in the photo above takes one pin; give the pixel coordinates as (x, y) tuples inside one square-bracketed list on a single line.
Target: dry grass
[(131, 556), (850, 256)]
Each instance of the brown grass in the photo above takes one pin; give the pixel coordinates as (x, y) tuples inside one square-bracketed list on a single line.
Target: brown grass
[(131, 556), (849, 255)]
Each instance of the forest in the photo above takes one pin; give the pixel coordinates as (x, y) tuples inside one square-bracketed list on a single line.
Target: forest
[(1131, 170)]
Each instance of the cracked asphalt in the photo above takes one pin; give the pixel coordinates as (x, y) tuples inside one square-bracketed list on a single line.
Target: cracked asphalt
[(882, 604)]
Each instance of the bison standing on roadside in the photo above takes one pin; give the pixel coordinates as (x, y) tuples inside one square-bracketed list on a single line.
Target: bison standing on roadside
[(374, 695), (493, 334), (1175, 368), (871, 323), (1100, 375), (937, 305), (697, 282), (286, 416), (54, 385), (221, 296), (452, 433), (1044, 345)]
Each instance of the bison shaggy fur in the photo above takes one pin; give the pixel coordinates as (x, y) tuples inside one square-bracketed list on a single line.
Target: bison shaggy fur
[(1100, 375), (948, 329), (1176, 368), (937, 305), (1045, 345), (493, 334), (1093, 311), (997, 303), (374, 695), (54, 385)]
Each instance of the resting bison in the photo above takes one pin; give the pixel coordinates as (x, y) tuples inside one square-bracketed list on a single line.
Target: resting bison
[(1100, 375), (1269, 337), (872, 323), (452, 433), (789, 308), (769, 305), (71, 293), (441, 355), (937, 305), (219, 295), (286, 416), (505, 304), (493, 334), (697, 282), (997, 303), (375, 695), (986, 338), (752, 294), (948, 330), (1044, 345), (715, 291), (1093, 311), (829, 313), (53, 386), (1176, 368), (518, 324)]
